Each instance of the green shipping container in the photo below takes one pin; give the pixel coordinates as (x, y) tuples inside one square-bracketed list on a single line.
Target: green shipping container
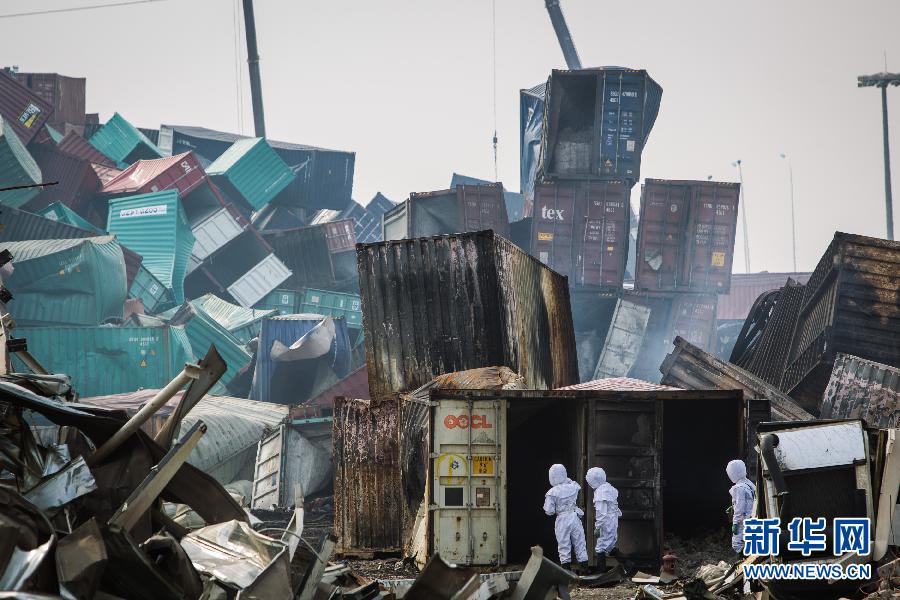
[(332, 304), (243, 323), (109, 360), (150, 291), (284, 301), (67, 282), (17, 167), (123, 143), (154, 225), (251, 170), (203, 331), (62, 213)]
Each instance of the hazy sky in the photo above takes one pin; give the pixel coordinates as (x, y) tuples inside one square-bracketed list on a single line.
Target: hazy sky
[(408, 86)]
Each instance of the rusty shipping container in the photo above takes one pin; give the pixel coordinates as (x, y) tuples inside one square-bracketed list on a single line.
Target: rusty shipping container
[(863, 389), (65, 94), (457, 210), (367, 483), (851, 305), (686, 236), (75, 145), (25, 111), (580, 230), (456, 302), (319, 256), (694, 319), (182, 172)]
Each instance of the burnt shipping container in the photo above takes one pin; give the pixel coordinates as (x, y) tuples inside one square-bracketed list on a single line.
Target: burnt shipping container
[(320, 256), (456, 302), (596, 122), (580, 230), (65, 94), (457, 210), (850, 305), (25, 110), (686, 236)]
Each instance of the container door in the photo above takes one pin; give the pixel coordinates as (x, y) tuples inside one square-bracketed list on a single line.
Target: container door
[(623, 341), (468, 469), (482, 207), (603, 233), (256, 283), (625, 439), (552, 226), (694, 319), (661, 233), (267, 475), (710, 243), (213, 233)]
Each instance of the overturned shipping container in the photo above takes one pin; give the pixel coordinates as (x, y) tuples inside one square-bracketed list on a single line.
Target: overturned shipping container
[(320, 256), (17, 168), (456, 302), (122, 143), (25, 110), (862, 389), (65, 94), (457, 210), (580, 229), (686, 236)]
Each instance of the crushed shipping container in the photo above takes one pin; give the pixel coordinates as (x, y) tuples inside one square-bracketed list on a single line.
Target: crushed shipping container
[(456, 302), (77, 181), (457, 210), (154, 296), (182, 172), (57, 211), (863, 389), (319, 256), (243, 323)]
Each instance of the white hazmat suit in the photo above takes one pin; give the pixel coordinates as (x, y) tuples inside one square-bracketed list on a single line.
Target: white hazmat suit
[(743, 492), (561, 501), (606, 510)]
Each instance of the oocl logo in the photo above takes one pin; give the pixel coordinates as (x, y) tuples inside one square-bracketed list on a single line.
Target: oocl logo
[(462, 421)]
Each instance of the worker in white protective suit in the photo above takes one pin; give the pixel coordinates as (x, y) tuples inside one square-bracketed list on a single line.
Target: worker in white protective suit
[(561, 501), (743, 493), (606, 515)]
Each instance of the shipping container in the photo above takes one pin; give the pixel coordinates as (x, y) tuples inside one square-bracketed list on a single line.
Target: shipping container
[(181, 172), (57, 211), (284, 301), (65, 94), (531, 123), (244, 270), (122, 143), (324, 178), (150, 291), (290, 381), (77, 181), (17, 225), (686, 236), (580, 230), (455, 302), (288, 467), (203, 331), (457, 210), (747, 287), (694, 319), (243, 323), (863, 389), (319, 256), (623, 340), (155, 226), (17, 168), (25, 111), (367, 478), (596, 122), (67, 282), (366, 220), (332, 304), (251, 172), (515, 202), (76, 146), (109, 360), (850, 305)]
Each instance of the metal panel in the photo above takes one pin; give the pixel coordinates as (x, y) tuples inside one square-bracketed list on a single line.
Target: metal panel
[(18, 225), (123, 143), (686, 235), (456, 302), (203, 331), (77, 181), (332, 304), (76, 146), (253, 286), (771, 353), (65, 94), (58, 211), (214, 232), (252, 170), (468, 481), (746, 288), (182, 172), (694, 319), (150, 291), (243, 323), (514, 202), (25, 110), (863, 389), (308, 253), (367, 475), (267, 478), (580, 229), (623, 341), (17, 167)]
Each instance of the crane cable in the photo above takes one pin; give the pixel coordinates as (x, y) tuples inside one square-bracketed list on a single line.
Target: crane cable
[(494, 64)]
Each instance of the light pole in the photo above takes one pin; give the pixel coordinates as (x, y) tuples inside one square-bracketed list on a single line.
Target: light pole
[(737, 164), (793, 220), (883, 80)]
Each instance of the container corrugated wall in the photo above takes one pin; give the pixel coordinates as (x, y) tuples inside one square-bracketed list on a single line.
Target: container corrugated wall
[(317, 258), (243, 323), (65, 94), (67, 282), (110, 360), (863, 389), (77, 180), (150, 291), (155, 226), (366, 438), (17, 168), (17, 225), (251, 170), (123, 143), (57, 211), (203, 332), (26, 111), (457, 302)]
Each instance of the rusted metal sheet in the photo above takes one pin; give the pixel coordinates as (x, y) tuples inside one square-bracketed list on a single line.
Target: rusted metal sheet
[(354, 385), (686, 236), (182, 172), (580, 229), (746, 288), (851, 305), (863, 389), (65, 94), (456, 302), (75, 145), (367, 499), (457, 210), (25, 110)]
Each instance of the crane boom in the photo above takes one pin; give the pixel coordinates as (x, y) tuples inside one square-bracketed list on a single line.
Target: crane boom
[(562, 34)]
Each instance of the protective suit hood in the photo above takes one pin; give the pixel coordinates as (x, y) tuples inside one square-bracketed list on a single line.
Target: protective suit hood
[(596, 477), (558, 474), (736, 470)]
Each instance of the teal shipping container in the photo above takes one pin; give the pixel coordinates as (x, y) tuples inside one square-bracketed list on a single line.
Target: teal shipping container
[(285, 302), (121, 142), (109, 360), (17, 167), (150, 291), (332, 304), (58, 211), (243, 323), (67, 282), (203, 331), (252, 172), (155, 226)]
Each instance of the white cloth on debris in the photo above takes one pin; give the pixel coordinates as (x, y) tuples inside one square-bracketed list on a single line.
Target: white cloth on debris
[(606, 510), (743, 492), (561, 501)]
